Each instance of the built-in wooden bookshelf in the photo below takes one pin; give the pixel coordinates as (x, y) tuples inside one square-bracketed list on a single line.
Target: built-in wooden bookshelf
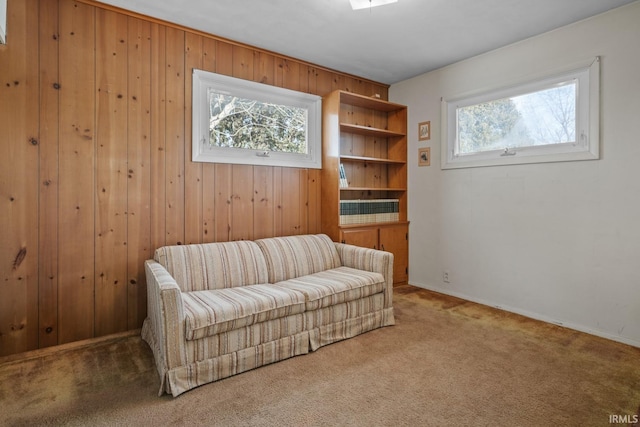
[(366, 137)]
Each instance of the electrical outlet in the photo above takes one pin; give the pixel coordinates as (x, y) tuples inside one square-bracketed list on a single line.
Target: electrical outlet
[(445, 276)]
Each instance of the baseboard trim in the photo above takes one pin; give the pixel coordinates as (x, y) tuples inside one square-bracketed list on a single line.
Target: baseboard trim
[(57, 349)]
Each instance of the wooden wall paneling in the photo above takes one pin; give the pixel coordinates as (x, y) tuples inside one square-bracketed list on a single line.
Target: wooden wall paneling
[(277, 201), (175, 136), (314, 201), (340, 82), (288, 75), (241, 214), (242, 202), (358, 86), (242, 62), (222, 202), (76, 205), (223, 172), (263, 202), (111, 172), (209, 61), (19, 181), (303, 72), (368, 88), (264, 68), (209, 52), (208, 202), (363, 87), (321, 81), (158, 154), (111, 92), (303, 201), (382, 90), (139, 172), (291, 201), (48, 203), (193, 207), (224, 58), (312, 79)]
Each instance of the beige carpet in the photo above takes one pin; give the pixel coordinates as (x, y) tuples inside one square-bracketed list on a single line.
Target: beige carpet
[(446, 362)]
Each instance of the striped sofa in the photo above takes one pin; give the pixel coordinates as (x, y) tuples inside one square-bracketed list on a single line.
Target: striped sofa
[(219, 309)]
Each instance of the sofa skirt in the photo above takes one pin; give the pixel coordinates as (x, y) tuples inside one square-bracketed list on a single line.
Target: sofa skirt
[(184, 378), (349, 328)]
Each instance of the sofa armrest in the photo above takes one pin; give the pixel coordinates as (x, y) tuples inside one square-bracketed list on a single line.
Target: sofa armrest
[(370, 260), (166, 315)]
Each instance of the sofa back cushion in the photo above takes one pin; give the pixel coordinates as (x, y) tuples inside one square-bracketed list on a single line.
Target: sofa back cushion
[(214, 265), (295, 256)]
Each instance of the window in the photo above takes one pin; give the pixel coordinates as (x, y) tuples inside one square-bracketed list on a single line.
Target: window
[(240, 121), (548, 119)]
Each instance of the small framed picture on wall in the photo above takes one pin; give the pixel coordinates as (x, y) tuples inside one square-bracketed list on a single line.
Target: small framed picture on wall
[(424, 156), (424, 131)]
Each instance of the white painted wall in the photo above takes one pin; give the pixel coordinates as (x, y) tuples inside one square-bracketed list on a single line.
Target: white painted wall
[(557, 241)]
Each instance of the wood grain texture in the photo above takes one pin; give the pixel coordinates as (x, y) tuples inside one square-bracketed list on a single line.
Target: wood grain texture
[(48, 203), (175, 136), (263, 204), (158, 185), (95, 111), (76, 202), (222, 203), (193, 170), (111, 173), (139, 168), (19, 183), (242, 202)]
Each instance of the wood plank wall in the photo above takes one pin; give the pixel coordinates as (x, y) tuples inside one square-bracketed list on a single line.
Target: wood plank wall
[(95, 170)]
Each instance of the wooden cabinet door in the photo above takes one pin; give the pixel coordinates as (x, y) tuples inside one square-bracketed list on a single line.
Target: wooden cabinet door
[(364, 237), (394, 239)]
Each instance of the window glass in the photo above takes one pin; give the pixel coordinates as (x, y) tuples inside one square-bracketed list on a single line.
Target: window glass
[(245, 122), (544, 117), (547, 119)]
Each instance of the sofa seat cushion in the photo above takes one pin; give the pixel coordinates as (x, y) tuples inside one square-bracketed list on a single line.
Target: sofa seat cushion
[(220, 310), (335, 286)]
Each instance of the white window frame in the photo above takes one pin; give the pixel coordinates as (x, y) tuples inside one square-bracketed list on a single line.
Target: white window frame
[(586, 147), (202, 151)]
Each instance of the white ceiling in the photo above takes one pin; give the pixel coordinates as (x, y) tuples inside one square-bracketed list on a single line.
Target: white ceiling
[(386, 44)]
